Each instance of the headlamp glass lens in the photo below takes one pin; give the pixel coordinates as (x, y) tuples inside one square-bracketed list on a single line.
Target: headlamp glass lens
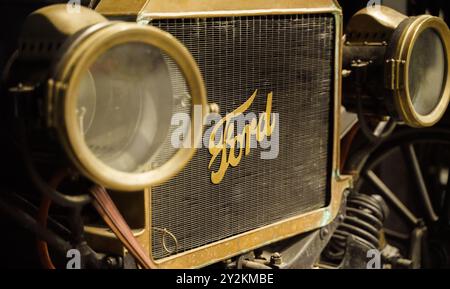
[(427, 73), (125, 105)]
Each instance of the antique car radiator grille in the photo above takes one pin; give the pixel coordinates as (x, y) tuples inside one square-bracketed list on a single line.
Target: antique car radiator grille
[(291, 56)]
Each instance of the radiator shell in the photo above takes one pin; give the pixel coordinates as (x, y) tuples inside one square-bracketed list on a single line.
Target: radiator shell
[(186, 205), (290, 56)]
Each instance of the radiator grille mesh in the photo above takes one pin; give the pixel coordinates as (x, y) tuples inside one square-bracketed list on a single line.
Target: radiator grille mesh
[(291, 56)]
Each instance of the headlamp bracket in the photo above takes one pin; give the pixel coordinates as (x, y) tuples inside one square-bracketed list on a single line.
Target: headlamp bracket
[(394, 74)]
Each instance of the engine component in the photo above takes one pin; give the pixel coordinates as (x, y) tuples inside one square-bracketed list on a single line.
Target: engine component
[(363, 223)]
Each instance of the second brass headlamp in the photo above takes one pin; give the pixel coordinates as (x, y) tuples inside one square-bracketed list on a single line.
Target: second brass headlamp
[(397, 66), (104, 90)]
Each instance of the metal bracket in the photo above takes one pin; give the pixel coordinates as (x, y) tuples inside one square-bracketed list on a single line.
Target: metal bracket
[(394, 74)]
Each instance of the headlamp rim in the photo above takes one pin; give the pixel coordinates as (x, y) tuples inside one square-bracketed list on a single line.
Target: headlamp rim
[(402, 53), (62, 98)]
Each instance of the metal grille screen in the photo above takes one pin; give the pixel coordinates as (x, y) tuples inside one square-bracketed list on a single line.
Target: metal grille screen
[(291, 56)]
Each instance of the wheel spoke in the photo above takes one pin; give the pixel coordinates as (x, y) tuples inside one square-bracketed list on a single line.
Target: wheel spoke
[(395, 234), (384, 190), (412, 161)]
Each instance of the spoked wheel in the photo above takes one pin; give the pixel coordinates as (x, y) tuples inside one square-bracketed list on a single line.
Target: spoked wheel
[(411, 171)]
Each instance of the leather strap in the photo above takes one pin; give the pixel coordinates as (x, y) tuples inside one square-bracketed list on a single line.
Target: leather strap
[(113, 218)]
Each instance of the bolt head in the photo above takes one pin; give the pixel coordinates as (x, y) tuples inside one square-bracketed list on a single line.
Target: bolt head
[(324, 233), (276, 258)]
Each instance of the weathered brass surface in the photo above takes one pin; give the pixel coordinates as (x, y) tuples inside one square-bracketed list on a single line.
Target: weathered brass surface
[(122, 8), (155, 9), (373, 25), (51, 23)]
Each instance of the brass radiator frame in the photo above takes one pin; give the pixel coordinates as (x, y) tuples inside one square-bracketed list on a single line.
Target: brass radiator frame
[(143, 11)]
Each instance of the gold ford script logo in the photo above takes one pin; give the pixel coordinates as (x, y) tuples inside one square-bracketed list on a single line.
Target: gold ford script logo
[(230, 147)]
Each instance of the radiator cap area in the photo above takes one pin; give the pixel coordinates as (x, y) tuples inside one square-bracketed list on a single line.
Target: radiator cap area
[(156, 9)]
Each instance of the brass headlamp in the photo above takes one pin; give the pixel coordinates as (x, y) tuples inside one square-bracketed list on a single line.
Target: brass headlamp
[(104, 89), (397, 66)]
